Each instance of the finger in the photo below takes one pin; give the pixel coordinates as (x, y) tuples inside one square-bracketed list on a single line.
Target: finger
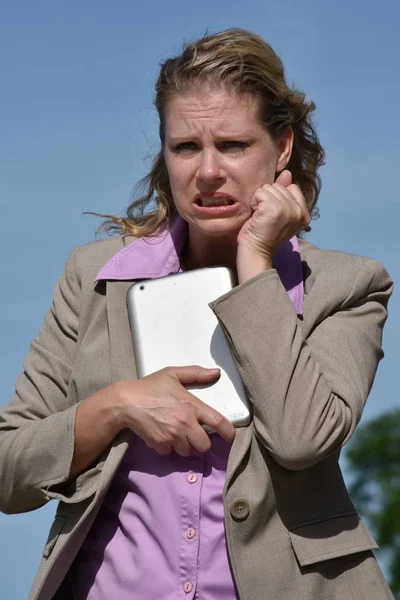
[(280, 192), (274, 196), (199, 439), (301, 201), (263, 195), (194, 374), (207, 415), (195, 434), (162, 448), (296, 192), (255, 200), (284, 178), (291, 194), (182, 447)]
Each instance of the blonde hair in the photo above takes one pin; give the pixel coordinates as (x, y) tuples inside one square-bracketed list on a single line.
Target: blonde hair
[(242, 61)]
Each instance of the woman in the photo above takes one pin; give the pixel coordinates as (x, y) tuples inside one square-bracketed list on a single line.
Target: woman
[(150, 505)]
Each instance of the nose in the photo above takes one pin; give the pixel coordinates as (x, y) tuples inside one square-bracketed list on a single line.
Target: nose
[(209, 167)]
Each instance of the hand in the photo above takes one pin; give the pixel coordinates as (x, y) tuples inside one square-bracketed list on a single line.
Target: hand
[(280, 212), (166, 416)]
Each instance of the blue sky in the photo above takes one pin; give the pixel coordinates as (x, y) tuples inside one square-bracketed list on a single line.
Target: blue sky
[(77, 127)]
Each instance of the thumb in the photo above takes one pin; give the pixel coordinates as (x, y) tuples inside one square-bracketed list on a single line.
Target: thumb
[(194, 374), (284, 178)]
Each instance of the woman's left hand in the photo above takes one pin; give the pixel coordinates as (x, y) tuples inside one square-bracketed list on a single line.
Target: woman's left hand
[(280, 212)]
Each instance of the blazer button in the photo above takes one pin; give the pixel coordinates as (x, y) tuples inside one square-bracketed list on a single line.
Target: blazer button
[(240, 509)]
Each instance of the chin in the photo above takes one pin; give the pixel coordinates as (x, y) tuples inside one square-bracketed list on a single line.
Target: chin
[(218, 227)]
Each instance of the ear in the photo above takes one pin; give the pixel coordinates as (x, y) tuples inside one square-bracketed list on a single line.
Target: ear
[(285, 147)]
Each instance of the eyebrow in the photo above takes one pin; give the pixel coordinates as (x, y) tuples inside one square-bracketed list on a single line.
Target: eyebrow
[(220, 138)]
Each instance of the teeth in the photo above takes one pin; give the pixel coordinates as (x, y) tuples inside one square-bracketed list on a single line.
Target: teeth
[(215, 201)]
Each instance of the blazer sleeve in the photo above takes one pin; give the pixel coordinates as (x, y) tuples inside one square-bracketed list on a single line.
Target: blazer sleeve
[(308, 393), (36, 427)]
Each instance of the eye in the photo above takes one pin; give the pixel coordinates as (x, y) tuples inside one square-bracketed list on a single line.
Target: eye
[(185, 146), (233, 145)]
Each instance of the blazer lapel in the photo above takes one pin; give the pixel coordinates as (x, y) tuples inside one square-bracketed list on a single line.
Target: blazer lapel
[(122, 357), (122, 367), (240, 446)]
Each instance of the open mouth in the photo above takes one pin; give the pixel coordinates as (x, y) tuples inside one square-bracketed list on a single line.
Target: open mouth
[(205, 201)]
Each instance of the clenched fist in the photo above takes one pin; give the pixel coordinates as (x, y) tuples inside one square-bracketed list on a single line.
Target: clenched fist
[(280, 212)]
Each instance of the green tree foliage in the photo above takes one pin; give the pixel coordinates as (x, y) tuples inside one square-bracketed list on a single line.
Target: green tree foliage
[(373, 458)]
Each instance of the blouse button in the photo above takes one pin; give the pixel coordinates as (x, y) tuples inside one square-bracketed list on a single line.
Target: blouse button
[(240, 509), (187, 588), (192, 478), (190, 533)]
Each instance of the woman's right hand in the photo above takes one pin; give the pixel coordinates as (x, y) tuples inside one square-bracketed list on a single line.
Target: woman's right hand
[(160, 410)]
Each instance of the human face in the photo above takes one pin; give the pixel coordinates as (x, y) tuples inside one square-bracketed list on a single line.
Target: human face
[(217, 154)]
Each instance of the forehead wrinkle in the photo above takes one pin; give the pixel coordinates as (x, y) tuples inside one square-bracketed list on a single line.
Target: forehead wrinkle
[(189, 114), (216, 114), (198, 125)]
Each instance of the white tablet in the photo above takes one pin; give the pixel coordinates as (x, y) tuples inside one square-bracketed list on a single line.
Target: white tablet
[(173, 325)]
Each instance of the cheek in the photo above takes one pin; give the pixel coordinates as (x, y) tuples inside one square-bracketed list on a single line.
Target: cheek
[(264, 176), (262, 164), (179, 176), (252, 175)]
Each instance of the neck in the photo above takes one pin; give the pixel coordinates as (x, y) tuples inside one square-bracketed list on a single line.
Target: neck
[(207, 251)]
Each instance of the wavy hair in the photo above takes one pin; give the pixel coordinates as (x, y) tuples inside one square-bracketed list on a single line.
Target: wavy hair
[(244, 62)]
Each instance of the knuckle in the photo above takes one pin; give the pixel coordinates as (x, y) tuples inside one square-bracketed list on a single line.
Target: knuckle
[(162, 449), (277, 210), (182, 417), (186, 404), (260, 196), (171, 369), (217, 419), (300, 218), (172, 429)]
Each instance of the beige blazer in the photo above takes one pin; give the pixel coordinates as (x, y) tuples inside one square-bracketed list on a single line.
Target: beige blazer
[(292, 531)]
